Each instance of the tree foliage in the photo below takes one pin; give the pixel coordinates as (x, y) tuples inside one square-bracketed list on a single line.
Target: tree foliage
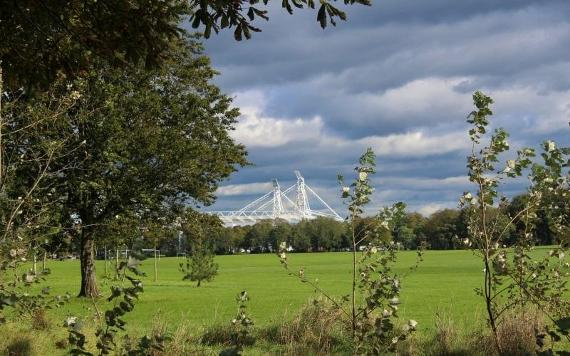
[(150, 142), (512, 277), (43, 38), (371, 312), (200, 265)]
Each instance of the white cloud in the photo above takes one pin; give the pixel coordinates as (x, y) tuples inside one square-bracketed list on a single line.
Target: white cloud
[(417, 144), (541, 112), (254, 129), (425, 183), (243, 189), (421, 97), (428, 209)]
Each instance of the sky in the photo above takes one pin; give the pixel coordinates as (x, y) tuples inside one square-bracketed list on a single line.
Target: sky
[(397, 77)]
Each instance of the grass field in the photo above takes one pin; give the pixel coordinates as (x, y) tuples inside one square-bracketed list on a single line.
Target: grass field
[(444, 283)]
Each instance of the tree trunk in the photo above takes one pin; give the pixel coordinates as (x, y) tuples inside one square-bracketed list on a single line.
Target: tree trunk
[(155, 265), (116, 263), (106, 268), (199, 283), (34, 268), (44, 261), (88, 278)]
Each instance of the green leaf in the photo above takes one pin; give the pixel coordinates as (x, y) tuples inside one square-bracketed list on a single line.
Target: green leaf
[(322, 16)]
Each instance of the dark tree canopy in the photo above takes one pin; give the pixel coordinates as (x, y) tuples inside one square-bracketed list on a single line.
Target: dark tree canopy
[(42, 38), (141, 143), (39, 39)]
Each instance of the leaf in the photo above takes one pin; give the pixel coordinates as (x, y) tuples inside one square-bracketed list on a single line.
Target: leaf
[(237, 33), (208, 30), (250, 14), (196, 19), (322, 16)]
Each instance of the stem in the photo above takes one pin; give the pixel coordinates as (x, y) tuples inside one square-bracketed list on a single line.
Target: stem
[(1, 124), (116, 263), (488, 274), (156, 266), (353, 299), (105, 257), (34, 266)]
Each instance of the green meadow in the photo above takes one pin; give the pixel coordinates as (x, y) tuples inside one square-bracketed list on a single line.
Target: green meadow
[(443, 284)]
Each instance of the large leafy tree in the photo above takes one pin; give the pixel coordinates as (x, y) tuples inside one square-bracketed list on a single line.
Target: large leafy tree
[(42, 38), (151, 141)]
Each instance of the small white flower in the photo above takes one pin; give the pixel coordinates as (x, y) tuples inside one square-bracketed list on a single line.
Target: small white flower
[(345, 189), (550, 146), (395, 340), (75, 95), (394, 301), (386, 313), (374, 250), (362, 176), (413, 324), (511, 164), (71, 321)]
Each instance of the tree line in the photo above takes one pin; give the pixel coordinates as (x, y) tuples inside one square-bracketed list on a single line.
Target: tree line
[(446, 229)]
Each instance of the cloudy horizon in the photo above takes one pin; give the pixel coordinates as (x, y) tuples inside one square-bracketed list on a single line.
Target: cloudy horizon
[(397, 77)]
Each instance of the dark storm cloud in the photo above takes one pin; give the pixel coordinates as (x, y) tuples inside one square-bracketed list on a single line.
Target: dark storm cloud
[(397, 76)]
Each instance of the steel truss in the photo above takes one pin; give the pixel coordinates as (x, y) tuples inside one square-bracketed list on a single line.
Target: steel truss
[(291, 205)]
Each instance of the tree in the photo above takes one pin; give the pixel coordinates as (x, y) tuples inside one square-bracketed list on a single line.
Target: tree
[(200, 265), (441, 229), (512, 278), (27, 222), (372, 311), (43, 38), (281, 231), (257, 238), (548, 230), (151, 142)]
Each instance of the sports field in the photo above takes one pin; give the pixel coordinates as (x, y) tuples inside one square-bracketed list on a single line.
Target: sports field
[(444, 282)]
